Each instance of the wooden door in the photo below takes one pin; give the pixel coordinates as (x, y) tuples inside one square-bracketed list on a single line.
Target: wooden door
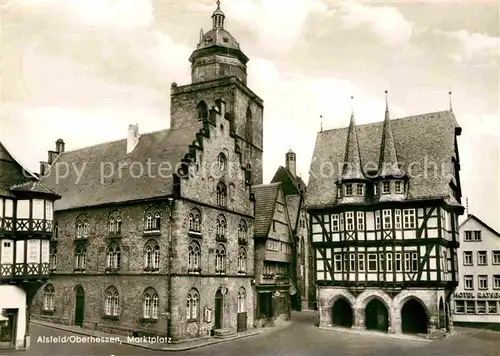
[(79, 306)]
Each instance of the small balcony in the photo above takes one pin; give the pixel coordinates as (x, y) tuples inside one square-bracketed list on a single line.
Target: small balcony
[(22, 271)]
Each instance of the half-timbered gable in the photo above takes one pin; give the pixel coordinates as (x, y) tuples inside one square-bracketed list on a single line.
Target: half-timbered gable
[(384, 201)]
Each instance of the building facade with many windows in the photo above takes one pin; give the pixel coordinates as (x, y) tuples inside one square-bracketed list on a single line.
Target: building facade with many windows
[(26, 227), (477, 297), (155, 231), (384, 201)]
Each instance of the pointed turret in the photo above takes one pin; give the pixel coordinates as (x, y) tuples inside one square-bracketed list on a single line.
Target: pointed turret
[(218, 17), (388, 164), (352, 160)]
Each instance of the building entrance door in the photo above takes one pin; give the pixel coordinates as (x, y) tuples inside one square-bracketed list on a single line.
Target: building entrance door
[(219, 300), (376, 316), (79, 305), (8, 329)]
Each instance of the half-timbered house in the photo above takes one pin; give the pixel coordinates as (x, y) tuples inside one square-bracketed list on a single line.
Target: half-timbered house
[(384, 200), (294, 190), (274, 246), (26, 227)]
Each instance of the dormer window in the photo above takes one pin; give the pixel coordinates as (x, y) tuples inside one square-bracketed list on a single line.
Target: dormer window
[(398, 187), (348, 190), (386, 187), (360, 190)]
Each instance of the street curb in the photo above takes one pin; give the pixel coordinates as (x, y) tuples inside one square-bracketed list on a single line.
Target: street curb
[(382, 335), (173, 349)]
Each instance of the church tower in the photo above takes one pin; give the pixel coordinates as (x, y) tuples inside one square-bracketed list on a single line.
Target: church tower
[(219, 72)]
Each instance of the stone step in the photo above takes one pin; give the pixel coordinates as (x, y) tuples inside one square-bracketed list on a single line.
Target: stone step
[(224, 333)]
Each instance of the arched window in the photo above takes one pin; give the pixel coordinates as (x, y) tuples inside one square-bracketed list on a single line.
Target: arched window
[(151, 303), (221, 227), (242, 300), (53, 258), (195, 220), (149, 222), (152, 222), (242, 232), (242, 260), (113, 256), (221, 194), (48, 297), (194, 256), (192, 304), (248, 125), (221, 161), (220, 259), (115, 225), (151, 256), (202, 110), (157, 222), (80, 258), (79, 229), (112, 302), (111, 227), (85, 228)]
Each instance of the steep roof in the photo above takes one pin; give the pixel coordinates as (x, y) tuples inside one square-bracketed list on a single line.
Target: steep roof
[(91, 176), (12, 172), (265, 202), (474, 217), (352, 161), (290, 184), (388, 163), (33, 186), (425, 143)]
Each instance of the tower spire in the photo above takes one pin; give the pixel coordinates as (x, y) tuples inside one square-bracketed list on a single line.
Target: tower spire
[(218, 17), (321, 123), (352, 159), (388, 164)]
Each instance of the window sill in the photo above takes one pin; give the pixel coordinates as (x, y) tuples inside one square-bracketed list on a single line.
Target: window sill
[(194, 271), (110, 317), (79, 270), (148, 320), (151, 233), (196, 234), (220, 273), (112, 271), (192, 320), (151, 270), (48, 312)]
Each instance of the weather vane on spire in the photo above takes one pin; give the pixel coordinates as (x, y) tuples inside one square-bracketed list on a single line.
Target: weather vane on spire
[(449, 93), (321, 122)]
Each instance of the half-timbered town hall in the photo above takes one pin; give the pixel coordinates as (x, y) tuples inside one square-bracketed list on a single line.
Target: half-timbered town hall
[(155, 231), (384, 200)]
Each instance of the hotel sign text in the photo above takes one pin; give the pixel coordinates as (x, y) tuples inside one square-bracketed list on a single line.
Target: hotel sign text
[(481, 295)]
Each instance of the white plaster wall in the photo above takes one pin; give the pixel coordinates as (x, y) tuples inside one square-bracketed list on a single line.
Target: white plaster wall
[(12, 297)]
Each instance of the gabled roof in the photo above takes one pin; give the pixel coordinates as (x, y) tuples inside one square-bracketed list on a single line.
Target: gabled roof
[(93, 176), (419, 141), (291, 185), (474, 217), (12, 172), (266, 196)]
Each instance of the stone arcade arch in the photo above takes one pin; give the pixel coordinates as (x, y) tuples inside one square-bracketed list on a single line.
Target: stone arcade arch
[(342, 313), (376, 315), (414, 318)]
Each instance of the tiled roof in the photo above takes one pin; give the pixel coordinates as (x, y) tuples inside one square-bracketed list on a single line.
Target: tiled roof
[(424, 143), (293, 207), (33, 186), (265, 203), (87, 178), (388, 165)]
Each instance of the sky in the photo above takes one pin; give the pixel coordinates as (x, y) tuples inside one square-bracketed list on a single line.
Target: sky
[(83, 70)]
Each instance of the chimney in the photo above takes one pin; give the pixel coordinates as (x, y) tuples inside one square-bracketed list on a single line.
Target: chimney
[(43, 168), (291, 163), (60, 146), (51, 156), (133, 137)]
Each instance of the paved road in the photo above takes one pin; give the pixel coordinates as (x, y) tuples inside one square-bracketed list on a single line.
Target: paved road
[(301, 338)]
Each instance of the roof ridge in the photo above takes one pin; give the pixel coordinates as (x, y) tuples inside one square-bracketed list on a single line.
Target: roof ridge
[(265, 185), (392, 120)]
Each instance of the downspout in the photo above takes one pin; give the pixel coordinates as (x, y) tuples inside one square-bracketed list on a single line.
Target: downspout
[(169, 268)]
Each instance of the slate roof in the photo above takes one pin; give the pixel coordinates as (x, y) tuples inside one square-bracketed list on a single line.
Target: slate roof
[(388, 165), (352, 161), (84, 185), (472, 216), (291, 184), (422, 142), (266, 196), (33, 186)]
